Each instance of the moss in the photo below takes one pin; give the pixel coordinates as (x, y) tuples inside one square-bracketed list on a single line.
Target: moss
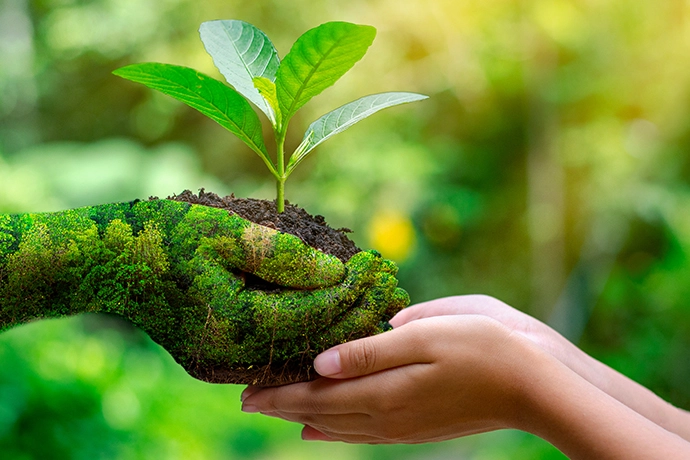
[(179, 272), (7, 238), (292, 263)]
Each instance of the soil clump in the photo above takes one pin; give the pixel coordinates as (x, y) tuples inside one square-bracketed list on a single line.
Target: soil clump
[(313, 230)]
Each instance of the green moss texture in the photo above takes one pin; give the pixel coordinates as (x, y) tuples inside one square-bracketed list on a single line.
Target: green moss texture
[(230, 300)]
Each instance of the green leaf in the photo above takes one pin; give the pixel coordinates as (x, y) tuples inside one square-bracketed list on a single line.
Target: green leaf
[(317, 60), (241, 52), (340, 119), (205, 94), (267, 89)]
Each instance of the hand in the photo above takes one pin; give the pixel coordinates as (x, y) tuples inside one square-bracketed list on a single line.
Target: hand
[(616, 385), (405, 404), (308, 302), (231, 301), (516, 321), (427, 380)]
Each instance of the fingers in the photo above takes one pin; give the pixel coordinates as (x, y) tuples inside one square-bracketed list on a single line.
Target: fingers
[(312, 434), (365, 356), (276, 257), (286, 260), (333, 410), (247, 392), (400, 349), (320, 397), (456, 305), (435, 378)]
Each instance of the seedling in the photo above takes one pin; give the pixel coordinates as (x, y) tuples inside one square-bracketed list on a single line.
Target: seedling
[(250, 64)]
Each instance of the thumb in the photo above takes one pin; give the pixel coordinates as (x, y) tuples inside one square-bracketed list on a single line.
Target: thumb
[(399, 347)]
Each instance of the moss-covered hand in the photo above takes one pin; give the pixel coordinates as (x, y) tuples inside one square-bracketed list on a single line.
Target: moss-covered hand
[(230, 300)]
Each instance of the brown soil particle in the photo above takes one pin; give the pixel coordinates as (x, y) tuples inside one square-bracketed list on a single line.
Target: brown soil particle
[(313, 230)]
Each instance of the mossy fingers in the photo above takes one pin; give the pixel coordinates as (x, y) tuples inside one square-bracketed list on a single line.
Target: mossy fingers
[(275, 257)]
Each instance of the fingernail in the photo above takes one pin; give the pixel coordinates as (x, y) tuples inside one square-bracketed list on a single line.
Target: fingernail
[(248, 392), (328, 363), (307, 436), (249, 409)]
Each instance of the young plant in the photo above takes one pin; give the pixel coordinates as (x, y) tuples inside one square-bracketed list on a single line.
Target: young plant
[(250, 64)]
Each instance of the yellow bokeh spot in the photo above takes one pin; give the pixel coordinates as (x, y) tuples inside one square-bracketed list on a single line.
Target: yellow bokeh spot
[(392, 234)]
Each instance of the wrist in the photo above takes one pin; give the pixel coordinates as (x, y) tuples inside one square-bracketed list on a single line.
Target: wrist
[(529, 368), (630, 393), (584, 422), (527, 399)]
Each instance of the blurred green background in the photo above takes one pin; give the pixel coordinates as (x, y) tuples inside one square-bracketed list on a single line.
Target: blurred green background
[(550, 169)]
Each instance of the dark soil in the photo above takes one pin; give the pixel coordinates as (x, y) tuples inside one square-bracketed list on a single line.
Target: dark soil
[(313, 230)]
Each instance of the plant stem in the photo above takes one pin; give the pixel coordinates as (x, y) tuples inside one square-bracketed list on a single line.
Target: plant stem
[(280, 196), (281, 177)]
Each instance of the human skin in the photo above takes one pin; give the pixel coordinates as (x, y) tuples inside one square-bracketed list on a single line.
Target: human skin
[(186, 275), (464, 365)]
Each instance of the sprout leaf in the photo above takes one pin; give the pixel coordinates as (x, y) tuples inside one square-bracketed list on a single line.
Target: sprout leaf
[(205, 94), (241, 52), (317, 60), (340, 119)]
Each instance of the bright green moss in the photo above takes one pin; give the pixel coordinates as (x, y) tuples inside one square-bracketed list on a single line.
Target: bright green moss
[(292, 263), (180, 272), (6, 237)]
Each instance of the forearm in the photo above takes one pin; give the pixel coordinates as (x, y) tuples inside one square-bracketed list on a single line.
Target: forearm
[(112, 258), (585, 422), (91, 259), (628, 392)]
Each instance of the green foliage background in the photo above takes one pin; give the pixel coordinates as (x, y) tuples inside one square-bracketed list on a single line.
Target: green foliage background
[(550, 169)]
